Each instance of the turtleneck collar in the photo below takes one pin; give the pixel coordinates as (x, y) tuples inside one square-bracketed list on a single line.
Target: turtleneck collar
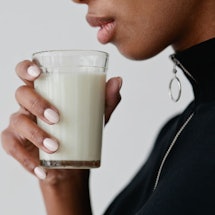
[(198, 64)]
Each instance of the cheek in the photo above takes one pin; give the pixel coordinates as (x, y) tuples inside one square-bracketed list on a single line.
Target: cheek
[(151, 29), (140, 42), (148, 38)]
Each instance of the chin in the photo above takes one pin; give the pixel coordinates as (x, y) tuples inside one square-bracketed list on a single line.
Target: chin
[(141, 52)]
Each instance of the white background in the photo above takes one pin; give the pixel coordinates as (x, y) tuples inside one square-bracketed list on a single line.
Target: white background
[(28, 26)]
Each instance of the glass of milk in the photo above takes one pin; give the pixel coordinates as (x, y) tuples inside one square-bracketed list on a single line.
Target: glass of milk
[(74, 82)]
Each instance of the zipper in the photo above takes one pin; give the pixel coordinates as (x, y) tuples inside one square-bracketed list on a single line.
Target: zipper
[(170, 148), (177, 63)]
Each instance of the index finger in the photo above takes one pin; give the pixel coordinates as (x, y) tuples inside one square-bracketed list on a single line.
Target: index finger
[(27, 71)]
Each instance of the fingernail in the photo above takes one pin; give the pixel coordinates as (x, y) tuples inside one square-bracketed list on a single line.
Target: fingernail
[(51, 115), (50, 144), (40, 172), (33, 71)]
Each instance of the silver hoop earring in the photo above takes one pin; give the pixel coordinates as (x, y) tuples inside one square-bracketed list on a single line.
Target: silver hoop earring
[(176, 80)]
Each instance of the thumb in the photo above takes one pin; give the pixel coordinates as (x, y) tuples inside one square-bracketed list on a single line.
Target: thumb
[(113, 96)]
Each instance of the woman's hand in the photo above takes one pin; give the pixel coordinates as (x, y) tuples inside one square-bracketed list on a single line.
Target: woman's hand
[(23, 137)]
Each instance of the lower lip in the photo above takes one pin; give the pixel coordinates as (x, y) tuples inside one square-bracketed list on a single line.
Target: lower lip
[(106, 32)]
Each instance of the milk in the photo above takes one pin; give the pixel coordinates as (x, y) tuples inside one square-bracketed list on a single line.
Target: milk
[(79, 97)]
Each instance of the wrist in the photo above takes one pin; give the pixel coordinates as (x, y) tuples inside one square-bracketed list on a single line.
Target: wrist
[(56, 178), (66, 191)]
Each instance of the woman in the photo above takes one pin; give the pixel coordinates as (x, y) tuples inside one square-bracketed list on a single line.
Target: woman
[(179, 175)]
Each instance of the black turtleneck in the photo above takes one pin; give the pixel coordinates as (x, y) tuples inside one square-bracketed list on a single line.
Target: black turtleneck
[(185, 148), (199, 61)]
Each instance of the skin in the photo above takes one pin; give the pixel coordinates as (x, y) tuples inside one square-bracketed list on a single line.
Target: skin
[(151, 26), (142, 29)]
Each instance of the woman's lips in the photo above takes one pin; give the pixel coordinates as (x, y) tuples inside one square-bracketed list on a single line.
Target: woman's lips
[(107, 26), (105, 32)]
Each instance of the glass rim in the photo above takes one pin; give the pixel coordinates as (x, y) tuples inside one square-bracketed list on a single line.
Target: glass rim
[(70, 50)]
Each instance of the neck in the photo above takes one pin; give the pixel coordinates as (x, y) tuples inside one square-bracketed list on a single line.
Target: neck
[(200, 27)]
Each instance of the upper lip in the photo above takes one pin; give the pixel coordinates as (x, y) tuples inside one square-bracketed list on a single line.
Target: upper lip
[(98, 21)]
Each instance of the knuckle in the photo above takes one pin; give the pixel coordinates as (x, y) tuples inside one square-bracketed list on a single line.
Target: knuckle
[(4, 135), (28, 98), (36, 136), (15, 120), (27, 163), (35, 105), (12, 150), (11, 146), (19, 122), (8, 144), (20, 91)]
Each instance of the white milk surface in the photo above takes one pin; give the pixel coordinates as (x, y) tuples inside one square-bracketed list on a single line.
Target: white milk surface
[(79, 97)]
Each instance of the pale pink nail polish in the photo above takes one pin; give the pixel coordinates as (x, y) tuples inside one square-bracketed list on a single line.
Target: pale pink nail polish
[(51, 115), (33, 71), (40, 172), (50, 144)]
